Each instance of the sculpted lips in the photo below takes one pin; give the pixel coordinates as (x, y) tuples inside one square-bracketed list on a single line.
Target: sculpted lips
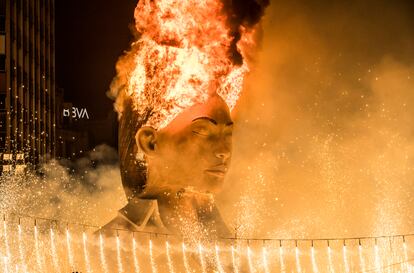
[(219, 170)]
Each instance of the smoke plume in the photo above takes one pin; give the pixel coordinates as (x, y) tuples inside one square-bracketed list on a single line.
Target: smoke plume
[(324, 136), (87, 191)]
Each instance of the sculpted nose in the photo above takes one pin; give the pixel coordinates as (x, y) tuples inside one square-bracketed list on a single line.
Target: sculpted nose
[(223, 149)]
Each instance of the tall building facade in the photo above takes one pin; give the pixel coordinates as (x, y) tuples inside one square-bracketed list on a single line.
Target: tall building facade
[(27, 79)]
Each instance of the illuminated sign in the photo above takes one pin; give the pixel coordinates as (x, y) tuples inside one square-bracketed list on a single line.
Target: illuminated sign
[(74, 112)]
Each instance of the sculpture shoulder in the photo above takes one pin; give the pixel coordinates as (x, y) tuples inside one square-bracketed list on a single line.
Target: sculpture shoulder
[(118, 223), (137, 215)]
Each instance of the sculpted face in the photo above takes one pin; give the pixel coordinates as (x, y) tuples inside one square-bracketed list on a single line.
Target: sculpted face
[(194, 150)]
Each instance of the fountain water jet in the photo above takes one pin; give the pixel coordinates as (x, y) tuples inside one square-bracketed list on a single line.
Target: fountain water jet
[(377, 258), (37, 250), (69, 250), (281, 259), (54, 251), (6, 264), (6, 241), (152, 261), (233, 258), (361, 257), (264, 258), (297, 259), (407, 265), (169, 260), (134, 253), (345, 257), (382, 258), (330, 261), (104, 265), (86, 254), (218, 261), (249, 259), (21, 248), (119, 255), (202, 263), (185, 261), (313, 258)]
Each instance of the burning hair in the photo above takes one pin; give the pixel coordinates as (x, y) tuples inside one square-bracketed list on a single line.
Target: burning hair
[(185, 51)]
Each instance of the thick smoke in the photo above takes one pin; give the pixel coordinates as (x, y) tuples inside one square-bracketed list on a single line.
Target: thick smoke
[(87, 191), (324, 142), (242, 15)]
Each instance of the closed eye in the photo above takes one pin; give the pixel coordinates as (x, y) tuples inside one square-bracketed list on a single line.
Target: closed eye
[(201, 132)]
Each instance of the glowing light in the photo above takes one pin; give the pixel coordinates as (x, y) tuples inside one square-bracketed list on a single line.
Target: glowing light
[(313, 257), (173, 66), (6, 264), (152, 261), (69, 250), (345, 257), (377, 258), (202, 263), (265, 262), (407, 265), (134, 253), (37, 250), (104, 265), (6, 241), (282, 262), (54, 251), (86, 254), (361, 257), (262, 264), (233, 258), (119, 255), (218, 260), (169, 260), (249, 259), (297, 259), (409, 268), (21, 248), (330, 261)]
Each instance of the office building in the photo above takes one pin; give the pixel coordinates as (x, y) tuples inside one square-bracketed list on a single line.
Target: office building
[(27, 80)]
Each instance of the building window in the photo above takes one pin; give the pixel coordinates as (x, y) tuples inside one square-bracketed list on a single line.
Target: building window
[(2, 62), (3, 121), (2, 6), (2, 85), (2, 24), (3, 98), (2, 44)]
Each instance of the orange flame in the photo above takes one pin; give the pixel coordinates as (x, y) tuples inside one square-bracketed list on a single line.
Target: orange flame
[(182, 57)]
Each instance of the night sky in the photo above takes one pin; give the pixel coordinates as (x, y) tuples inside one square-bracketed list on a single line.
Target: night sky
[(90, 36)]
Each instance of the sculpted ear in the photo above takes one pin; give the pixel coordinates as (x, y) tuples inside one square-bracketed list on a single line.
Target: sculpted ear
[(146, 140)]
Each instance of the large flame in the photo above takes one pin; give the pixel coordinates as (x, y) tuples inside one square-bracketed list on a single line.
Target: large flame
[(182, 56)]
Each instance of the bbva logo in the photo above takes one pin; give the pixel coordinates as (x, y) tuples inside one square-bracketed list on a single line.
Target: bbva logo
[(76, 113)]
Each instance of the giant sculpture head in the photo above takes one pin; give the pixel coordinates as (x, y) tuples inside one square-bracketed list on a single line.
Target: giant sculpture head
[(175, 90), (194, 150)]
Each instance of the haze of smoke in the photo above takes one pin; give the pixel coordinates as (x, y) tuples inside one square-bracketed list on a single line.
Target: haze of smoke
[(242, 14), (324, 142), (87, 191)]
